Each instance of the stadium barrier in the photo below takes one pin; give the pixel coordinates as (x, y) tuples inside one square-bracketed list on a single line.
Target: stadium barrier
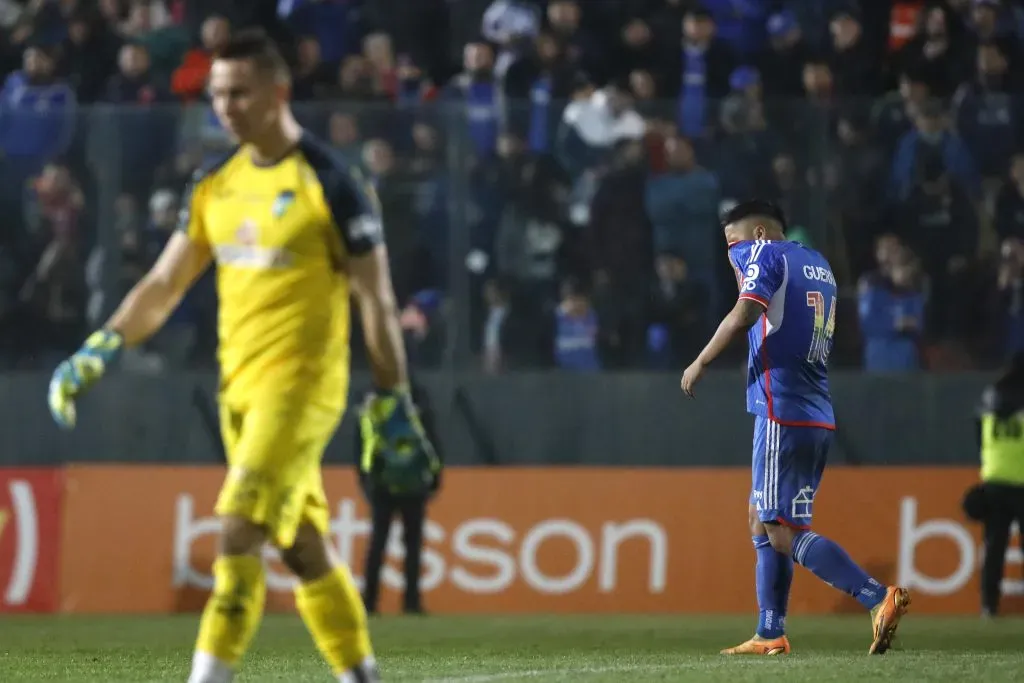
[(119, 539)]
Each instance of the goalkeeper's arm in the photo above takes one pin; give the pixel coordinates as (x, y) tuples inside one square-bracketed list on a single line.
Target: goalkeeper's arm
[(371, 286), (150, 302)]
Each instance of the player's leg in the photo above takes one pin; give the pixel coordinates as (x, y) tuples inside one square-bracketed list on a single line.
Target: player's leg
[(802, 455), (382, 510), (329, 603), (773, 570), (326, 596), (996, 532), (235, 607), (414, 512)]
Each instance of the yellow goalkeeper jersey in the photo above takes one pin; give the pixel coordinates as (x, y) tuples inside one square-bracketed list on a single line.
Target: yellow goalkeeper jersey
[(280, 236)]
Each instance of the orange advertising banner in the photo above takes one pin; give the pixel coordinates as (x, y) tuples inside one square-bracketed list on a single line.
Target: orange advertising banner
[(141, 539)]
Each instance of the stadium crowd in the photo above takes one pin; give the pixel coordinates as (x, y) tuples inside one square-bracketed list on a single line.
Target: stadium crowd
[(552, 172)]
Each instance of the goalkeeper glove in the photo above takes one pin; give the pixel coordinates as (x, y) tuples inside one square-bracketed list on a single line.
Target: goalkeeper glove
[(78, 373), (392, 430)]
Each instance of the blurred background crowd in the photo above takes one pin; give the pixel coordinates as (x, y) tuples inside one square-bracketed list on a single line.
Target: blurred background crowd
[(552, 172)]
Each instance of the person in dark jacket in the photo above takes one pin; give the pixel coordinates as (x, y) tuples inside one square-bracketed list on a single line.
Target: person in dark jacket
[(999, 501), (410, 503)]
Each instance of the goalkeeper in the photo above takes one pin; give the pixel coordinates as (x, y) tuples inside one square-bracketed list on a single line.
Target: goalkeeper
[(293, 233)]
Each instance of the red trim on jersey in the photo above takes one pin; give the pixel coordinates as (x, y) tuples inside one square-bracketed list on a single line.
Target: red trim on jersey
[(791, 525), (755, 297), (768, 387)]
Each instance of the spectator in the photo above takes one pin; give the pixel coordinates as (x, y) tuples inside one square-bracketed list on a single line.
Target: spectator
[(144, 17), (546, 82), (427, 171), (355, 82), (938, 223), (577, 331), (1008, 313), (422, 321), (531, 235), (741, 23), (395, 191), (680, 305), (891, 306), (144, 135), (892, 116), (134, 82), (343, 132), (311, 73), (932, 138), (683, 207), (495, 326), (55, 290), (189, 80), (1009, 209), (334, 24), (583, 50), (861, 201), (90, 55), (903, 21), (477, 89), (991, 22), (619, 243), (37, 120), (744, 155), (637, 49), (936, 51), (592, 126), (512, 25), (380, 59), (852, 58), (703, 76), (782, 63), (987, 117)]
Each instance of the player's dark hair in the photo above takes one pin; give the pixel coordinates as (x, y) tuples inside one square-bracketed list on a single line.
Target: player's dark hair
[(759, 208), (255, 45)]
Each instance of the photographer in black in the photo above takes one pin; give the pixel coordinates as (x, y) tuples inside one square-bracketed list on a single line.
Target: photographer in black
[(999, 500), (398, 481)]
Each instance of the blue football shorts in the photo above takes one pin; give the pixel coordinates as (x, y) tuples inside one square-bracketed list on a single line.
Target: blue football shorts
[(787, 469)]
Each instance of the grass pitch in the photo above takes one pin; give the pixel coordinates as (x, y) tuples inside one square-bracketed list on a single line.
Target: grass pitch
[(482, 649)]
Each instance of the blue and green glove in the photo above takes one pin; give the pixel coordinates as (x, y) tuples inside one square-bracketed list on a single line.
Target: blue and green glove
[(395, 446), (81, 371)]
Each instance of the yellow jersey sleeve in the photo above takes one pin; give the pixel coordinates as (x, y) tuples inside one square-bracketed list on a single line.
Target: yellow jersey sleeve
[(350, 197), (190, 216)]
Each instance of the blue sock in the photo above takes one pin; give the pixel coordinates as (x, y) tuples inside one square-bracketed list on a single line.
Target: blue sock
[(774, 577), (831, 564)]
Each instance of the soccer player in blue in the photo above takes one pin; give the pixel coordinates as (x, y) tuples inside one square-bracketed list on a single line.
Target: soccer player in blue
[(787, 307)]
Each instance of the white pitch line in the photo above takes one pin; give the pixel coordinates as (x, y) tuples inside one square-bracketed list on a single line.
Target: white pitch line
[(537, 673)]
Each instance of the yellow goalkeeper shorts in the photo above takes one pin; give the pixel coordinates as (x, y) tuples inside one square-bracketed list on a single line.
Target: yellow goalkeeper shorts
[(274, 451)]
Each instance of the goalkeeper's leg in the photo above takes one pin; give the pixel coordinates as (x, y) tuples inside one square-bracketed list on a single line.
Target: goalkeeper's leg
[(331, 607), (234, 610)]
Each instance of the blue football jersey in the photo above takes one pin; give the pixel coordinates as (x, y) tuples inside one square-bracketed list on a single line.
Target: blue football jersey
[(787, 371)]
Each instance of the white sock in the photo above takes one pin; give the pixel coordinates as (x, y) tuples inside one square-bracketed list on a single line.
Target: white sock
[(364, 672), (208, 669)]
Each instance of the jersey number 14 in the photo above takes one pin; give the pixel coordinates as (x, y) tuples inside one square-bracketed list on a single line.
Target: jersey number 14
[(821, 339)]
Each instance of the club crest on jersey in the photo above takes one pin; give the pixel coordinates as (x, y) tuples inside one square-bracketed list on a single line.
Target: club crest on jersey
[(283, 201)]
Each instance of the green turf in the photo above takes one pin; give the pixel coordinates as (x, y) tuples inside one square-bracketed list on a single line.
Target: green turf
[(591, 648)]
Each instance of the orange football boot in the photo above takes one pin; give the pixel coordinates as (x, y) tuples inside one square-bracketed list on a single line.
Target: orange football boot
[(885, 617), (760, 646)]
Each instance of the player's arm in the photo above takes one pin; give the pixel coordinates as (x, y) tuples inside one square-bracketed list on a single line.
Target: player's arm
[(150, 302), (741, 318), (140, 315), (762, 277), (370, 279)]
